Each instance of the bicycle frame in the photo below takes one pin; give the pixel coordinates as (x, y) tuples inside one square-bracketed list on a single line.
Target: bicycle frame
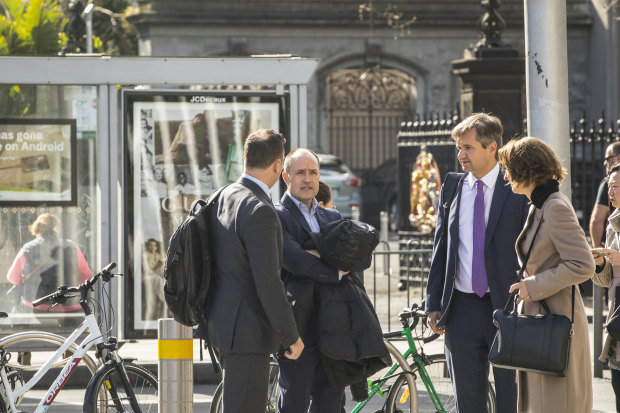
[(94, 337), (401, 361)]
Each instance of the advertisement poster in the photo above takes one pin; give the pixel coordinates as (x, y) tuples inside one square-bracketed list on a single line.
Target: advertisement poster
[(182, 150), (37, 161)]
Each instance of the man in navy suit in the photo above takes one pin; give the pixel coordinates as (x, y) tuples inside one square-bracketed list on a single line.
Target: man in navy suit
[(474, 263), (304, 382)]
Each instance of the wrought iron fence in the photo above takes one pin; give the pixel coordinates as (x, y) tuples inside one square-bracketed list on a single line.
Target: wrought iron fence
[(588, 141)]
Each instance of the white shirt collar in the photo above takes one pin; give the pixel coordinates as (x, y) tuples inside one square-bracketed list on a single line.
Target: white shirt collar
[(258, 182), (300, 204), (490, 179)]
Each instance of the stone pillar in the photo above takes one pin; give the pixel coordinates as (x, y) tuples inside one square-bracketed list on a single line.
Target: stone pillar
[(492, 75)]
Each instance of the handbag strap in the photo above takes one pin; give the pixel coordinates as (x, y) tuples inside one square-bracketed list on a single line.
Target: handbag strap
[(510, 304)]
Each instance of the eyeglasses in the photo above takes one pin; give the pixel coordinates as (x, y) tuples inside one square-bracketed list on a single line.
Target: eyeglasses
[(609, 158)]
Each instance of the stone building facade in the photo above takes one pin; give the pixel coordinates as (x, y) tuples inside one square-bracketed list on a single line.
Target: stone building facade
[(371, 76)]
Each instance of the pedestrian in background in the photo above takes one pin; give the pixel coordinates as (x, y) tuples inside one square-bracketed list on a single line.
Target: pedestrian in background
[(600, 210), (608, 275), (324, 196), (560, 259)]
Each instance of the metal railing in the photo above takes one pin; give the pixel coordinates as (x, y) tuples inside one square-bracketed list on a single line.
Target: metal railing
[(391, 288)]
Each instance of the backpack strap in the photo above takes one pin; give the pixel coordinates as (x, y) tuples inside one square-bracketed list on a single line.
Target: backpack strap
[(197, 205)]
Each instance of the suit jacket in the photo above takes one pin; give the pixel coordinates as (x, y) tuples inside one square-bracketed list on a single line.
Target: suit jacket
[(507, 216), (300, 265), (560, 258), (249, 311)]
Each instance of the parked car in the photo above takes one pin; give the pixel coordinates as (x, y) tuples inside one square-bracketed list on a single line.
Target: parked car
[(346, 187), (379, 189)]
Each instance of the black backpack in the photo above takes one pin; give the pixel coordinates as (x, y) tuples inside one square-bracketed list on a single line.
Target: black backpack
[(188, 265)]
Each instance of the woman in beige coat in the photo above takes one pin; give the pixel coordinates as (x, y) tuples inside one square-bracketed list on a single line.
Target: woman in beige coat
[(560, 258), (608, 275)]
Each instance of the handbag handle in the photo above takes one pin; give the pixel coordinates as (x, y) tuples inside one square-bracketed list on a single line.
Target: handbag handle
[(511, 305)]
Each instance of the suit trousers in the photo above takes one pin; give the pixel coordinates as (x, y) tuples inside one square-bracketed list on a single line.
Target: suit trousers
[(246, 379), (303, 382), (469, 334)]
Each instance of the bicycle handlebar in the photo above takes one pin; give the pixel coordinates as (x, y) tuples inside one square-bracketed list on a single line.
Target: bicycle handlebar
[(59, 296), (417, 313)]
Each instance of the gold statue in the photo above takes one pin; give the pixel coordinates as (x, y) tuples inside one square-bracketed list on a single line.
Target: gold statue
[(424, 197)]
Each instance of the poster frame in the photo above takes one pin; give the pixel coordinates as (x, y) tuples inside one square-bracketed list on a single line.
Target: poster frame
[(72, 168), (135, 327)]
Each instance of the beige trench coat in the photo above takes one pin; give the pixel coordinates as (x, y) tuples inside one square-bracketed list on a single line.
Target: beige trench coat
[(609, 277), (560, 258)]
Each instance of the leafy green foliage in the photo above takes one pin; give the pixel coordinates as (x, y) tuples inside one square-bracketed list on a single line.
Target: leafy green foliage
[(30, 27), (27, 28)]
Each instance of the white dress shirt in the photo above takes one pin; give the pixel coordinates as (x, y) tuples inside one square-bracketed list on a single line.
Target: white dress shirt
[(258, 182), (466, 224), (310, 216)]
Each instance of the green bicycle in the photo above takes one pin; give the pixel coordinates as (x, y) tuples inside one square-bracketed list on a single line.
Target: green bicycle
[(397, 384), (403, 395)]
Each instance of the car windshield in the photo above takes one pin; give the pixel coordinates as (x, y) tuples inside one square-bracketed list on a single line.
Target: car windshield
[(334, 166)]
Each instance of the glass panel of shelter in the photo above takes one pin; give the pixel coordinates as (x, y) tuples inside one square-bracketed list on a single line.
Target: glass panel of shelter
[(48, 179)]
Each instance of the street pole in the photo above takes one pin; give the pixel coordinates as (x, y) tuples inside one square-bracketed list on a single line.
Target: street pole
[(88, 13), (546, 73)]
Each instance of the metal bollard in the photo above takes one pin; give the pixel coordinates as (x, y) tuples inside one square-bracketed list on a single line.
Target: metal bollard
[(176, 369), (597, 324), (355, 212), (384, 236)]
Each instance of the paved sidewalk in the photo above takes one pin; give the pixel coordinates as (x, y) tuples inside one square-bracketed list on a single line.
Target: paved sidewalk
[(145, 353)]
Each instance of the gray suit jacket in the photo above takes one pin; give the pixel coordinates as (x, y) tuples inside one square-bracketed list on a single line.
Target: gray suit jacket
[(249, 311)]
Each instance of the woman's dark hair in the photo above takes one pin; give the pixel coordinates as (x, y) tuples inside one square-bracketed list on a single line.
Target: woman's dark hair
[(530, 161), (325, 193)]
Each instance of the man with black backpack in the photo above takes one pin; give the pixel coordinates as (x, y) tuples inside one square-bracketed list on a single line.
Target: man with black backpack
[(249, 315)]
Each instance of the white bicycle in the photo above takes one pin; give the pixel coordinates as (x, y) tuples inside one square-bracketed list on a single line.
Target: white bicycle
[(116, 386)]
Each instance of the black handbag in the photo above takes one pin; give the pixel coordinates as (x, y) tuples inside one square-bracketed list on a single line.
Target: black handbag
[(534, 343), (613, 325)]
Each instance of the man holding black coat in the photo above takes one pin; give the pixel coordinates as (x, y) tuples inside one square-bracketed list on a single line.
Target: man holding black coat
[(312, 284)]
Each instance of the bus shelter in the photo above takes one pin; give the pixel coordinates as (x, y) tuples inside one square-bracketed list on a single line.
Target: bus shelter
[(116, 150)]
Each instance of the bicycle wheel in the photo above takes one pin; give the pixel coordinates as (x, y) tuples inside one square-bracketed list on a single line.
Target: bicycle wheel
[(44, 344), (273, 392), (405, 382), (109, 394), (437, 370)]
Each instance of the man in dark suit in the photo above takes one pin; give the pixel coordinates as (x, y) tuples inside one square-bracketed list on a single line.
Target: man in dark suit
[(250, 316), (474, 263), (304, 383)]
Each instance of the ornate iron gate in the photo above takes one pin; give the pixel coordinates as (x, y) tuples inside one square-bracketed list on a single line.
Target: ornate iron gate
[(365, 109)]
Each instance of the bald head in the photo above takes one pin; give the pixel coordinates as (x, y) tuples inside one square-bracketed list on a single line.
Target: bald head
[(296, 153), (301, 174)]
